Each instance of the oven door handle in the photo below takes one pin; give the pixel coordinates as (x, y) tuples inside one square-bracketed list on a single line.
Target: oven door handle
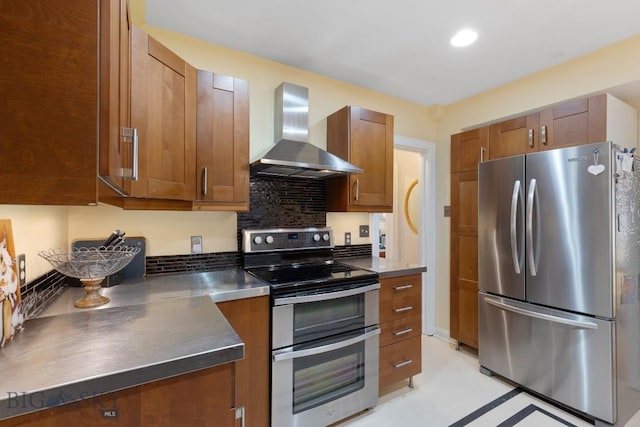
[(326, 296), (288, 353)]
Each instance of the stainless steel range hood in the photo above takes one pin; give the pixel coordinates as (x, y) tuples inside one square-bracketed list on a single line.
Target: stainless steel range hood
[(292, 155)]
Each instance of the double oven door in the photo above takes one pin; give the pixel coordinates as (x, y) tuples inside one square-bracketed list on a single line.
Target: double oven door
[(324, 355)]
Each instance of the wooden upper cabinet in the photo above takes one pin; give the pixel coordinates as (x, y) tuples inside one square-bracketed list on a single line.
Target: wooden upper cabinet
[(514, 136), (163, 110), (365, 139), (49, 101), (574, 123), (468, 148), (222, 142), (116, 143)]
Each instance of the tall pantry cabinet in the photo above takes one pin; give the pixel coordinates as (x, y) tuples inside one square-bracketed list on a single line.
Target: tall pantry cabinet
[(467, 150), (582, 121)]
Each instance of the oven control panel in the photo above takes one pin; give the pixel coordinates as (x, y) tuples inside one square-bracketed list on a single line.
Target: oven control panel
[(284, 239)]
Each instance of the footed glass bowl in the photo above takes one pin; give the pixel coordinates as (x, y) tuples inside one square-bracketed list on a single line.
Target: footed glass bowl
[(91, 266)]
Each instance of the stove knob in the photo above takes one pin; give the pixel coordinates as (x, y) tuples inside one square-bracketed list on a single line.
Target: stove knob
[(316, 237), (325, 237), (269, 240), (257, 240)]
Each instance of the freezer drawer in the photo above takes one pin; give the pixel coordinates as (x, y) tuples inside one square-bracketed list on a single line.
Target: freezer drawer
[(564, 356)]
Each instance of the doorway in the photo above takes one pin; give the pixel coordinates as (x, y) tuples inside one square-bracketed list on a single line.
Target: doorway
[(408, 234)]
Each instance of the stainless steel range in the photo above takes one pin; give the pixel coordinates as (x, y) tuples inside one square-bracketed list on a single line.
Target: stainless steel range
[(324, 326)]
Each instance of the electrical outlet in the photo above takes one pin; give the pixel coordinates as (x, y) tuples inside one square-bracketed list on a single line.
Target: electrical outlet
[(347, 238), (196, 244), (22, 269), (364, 231)]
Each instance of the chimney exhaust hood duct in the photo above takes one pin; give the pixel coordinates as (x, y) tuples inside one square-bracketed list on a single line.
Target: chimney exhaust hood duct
[(292, 155)]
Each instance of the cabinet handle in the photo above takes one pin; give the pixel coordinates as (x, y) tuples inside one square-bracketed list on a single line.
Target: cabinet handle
[(530, 137), (357, 189), (136, 155), (401, 364), (402, 332), (401, 309), (130, 135), (205, 179), (481, 154), (240, 416), (403, 287), (543, 134)]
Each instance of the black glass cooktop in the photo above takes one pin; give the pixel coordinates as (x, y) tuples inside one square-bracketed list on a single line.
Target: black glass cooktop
[(307, 276)]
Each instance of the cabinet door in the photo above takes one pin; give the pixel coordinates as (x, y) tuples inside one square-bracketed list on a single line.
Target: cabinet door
[(49, 102), (513, 137), (468, 148), (372, 150), (574, 123), (250, 319), (464, 257), (222, 153), (163, 110), (115, 149)]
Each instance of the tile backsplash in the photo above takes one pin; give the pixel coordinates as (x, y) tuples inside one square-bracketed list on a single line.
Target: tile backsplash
[(285, 202)]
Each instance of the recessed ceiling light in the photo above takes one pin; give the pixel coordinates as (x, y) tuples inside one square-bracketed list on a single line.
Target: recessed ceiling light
[(464, 38)]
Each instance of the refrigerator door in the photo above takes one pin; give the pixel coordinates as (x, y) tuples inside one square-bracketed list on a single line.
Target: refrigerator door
[(501, 227), (564, 356), (568, 226)]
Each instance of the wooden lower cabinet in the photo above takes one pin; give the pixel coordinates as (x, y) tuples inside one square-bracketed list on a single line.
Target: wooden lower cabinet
[(201, 398), (401, 325), (204, 398), (249, 317)]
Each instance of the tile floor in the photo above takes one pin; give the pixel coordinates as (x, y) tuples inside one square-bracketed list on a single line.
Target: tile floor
[(450, 388)]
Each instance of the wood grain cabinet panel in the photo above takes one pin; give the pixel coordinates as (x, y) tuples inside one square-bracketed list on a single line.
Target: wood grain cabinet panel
[(399, 361), (249, 317), (116, 143), (512, 137), (574, 123), (365, 139), (163, 108), (202, 397), (468, 148), (401, 329), (222, 143), (49, 101)]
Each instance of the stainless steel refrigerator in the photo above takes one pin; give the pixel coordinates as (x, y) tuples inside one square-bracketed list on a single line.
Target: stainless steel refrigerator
[(558, 266)]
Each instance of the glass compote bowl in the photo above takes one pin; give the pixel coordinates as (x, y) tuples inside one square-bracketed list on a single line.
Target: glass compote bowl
[(91, 266)]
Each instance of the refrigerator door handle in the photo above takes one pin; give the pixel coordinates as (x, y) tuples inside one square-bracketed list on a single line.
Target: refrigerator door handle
[(514, 238), (530, 199), (542, 316)]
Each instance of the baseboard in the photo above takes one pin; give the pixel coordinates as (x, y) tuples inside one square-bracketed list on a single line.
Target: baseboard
[(443, 334)]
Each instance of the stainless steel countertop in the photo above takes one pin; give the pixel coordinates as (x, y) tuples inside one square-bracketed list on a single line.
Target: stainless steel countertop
[(384, 267), (222, 285), (64, 358), (153, 328)]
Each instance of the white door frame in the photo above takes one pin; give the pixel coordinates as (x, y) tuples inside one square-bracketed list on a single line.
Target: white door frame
[(426, 224)]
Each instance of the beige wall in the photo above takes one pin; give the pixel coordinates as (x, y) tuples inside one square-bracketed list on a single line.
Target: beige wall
[(37, 228), (406, 165)]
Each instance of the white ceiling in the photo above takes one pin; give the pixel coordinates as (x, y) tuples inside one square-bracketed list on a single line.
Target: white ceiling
[(401, 47)]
